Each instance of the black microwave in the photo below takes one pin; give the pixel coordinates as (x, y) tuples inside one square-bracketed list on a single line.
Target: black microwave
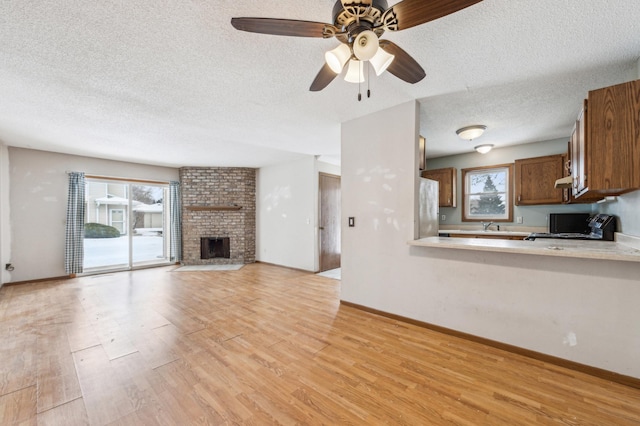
[(569, 223)]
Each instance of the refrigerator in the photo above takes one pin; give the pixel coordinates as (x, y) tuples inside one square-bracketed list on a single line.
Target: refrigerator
[(428, 224)]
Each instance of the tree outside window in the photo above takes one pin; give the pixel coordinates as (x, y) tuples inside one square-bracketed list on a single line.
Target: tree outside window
[(487, 193)]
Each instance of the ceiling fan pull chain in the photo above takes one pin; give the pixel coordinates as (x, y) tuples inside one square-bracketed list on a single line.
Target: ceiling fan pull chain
[(368, 80), (360, 73)]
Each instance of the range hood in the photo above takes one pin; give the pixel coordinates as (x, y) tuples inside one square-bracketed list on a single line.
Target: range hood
[(565, 182)]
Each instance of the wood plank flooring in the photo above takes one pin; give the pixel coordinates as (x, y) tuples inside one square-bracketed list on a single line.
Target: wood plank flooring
[(259, 346)]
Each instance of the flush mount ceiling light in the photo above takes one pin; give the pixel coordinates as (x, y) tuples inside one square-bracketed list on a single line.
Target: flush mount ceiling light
[(471, 132), (483, 149)]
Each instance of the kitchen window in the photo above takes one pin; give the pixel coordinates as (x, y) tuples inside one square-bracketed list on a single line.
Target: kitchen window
[(487, 194)]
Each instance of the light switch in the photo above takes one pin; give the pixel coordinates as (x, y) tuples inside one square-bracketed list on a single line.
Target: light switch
[(352, 222)]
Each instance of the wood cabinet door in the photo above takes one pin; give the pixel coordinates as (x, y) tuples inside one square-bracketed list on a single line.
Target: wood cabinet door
[(447, 181), (535, 179), (613, 143)]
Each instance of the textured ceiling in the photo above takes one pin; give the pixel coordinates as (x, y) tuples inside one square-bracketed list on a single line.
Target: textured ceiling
[(171, 83)]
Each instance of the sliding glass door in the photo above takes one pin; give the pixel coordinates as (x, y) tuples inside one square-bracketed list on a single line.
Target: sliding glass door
[(127, 225)]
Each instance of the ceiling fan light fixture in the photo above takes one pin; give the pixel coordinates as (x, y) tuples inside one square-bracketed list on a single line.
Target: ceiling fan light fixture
[(381, 60), (471, 132), (365, 45), (338, 57), (483, 149), (355, 72)]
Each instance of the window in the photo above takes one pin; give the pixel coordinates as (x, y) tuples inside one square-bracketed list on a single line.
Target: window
[(139, 211), (486, 194)]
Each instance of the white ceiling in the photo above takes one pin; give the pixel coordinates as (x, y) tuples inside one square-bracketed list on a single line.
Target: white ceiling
[(170, 82)]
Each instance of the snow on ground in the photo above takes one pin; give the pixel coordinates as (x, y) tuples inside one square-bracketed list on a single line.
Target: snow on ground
[(100, 252)]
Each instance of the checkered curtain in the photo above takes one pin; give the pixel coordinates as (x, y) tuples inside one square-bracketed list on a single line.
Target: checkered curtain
[(74, 249), (175, 251)]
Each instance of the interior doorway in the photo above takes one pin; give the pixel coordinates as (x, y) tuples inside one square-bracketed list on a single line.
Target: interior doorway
[(329, 221)]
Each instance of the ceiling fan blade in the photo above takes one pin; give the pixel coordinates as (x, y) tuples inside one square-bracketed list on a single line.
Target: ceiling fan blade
[(284, 27), (322, 80), (409, 13), (403, 66)]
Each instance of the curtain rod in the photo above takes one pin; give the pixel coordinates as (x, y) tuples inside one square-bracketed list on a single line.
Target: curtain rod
[(121, 179)]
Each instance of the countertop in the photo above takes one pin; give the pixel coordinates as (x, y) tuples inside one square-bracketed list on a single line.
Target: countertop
[(488, 233), (625, 248)]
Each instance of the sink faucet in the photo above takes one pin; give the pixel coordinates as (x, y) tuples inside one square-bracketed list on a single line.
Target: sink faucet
[(486, 226)]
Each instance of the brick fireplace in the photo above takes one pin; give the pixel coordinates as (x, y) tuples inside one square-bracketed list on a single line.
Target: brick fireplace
[(218, 203)]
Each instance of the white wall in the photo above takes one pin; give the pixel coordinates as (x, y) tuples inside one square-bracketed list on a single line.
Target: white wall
[(38, 200), (533, 302), (287, 206), (5, 231)]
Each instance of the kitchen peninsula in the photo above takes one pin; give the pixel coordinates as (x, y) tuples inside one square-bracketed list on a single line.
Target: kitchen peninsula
[(624, 248)]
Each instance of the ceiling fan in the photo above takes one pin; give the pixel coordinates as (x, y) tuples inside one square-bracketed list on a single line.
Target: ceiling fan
[(358, 26)]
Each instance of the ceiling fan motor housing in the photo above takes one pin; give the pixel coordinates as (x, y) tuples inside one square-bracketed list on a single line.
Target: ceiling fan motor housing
[(356, 17)]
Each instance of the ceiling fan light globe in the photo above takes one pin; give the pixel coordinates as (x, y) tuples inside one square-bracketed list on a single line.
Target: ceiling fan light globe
[(365, 45), (338, 57), (355, 72), (381, 61)]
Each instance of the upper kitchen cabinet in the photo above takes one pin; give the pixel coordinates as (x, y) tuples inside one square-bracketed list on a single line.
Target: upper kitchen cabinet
[(535, 178), (608, 152), (447, 181)]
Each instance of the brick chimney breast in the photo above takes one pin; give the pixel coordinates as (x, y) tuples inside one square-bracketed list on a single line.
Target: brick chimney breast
[(218, 202)]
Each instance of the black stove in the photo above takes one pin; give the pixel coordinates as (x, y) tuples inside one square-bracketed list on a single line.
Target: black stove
[(602, 227)]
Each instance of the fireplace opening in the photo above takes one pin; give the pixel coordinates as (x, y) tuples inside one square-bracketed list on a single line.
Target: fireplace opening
[(212, 247)]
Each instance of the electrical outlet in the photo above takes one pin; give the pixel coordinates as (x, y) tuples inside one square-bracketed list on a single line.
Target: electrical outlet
[(519, 219), (443, 217)]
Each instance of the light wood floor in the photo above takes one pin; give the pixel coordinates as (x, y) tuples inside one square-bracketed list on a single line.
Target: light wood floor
[(262, 345)]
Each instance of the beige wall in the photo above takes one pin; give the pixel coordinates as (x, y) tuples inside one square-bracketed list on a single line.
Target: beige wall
[(577, 309), (38, 200)]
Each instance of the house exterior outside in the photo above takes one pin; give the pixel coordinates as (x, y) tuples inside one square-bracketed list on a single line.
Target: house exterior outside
[(108, 204)]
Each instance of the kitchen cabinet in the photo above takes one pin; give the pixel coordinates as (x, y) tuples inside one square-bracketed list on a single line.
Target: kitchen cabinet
[(447, 181), (606, 148), (575, 163), (535, 179)]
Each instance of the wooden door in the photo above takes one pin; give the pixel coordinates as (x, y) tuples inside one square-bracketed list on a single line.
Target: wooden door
[(329, 222)]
